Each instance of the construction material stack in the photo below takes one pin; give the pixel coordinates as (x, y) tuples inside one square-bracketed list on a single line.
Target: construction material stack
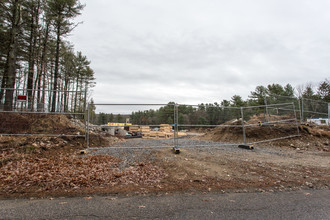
[(145, 129), (167, 130), (134, 128)]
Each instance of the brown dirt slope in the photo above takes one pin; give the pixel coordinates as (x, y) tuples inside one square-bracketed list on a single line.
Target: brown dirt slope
[(20, 123), (312, 136), (44, 124)]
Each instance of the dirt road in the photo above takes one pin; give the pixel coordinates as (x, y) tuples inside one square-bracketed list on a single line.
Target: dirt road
[(204, 165)]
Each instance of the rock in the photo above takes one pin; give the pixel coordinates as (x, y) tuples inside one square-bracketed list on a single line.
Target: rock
[(310, 185)]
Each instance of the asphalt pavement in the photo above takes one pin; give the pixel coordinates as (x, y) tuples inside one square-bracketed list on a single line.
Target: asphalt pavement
[(311, 204)]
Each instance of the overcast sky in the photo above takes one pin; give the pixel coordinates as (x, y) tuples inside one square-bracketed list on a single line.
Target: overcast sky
[(194, 51)]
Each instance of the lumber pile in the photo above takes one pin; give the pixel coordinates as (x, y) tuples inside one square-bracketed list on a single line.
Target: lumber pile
[(154, 135), (165, 128), (139, 128), (145, 129), (165, 132), (158, 135), (134, 128)]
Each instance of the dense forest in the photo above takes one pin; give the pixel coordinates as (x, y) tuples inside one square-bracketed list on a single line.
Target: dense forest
[(37, 62), (315, 100)]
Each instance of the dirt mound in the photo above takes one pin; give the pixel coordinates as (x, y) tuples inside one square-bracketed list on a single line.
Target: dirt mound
[(255, 119), (232, 131), (256, 133), (45, 124), (311, 136), (24, 123)]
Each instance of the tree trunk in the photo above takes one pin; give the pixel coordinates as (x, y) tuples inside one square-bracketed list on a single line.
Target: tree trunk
[(76, 96), (3, 85), (66, 84), (31, 63), (10, 68), (80, 95), (57, 62), (33, 53), (50, 88), (43, 65)]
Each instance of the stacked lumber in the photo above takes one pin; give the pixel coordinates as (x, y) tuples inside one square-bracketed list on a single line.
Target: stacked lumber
[(161, 135), (134, 128), (152, 135), (169, 135), (146, 132), (145, 129), (165, 132), (165, 128)]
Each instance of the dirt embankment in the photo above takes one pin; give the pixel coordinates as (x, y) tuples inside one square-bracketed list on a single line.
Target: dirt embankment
[(310, 136), (71, 132)]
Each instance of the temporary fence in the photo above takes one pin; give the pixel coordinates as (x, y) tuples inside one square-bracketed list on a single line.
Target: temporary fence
[(223, 124), (277, 99), (245, 125), (42, 100), (305, 108), (33, 116), (314, 109), (136, 119)]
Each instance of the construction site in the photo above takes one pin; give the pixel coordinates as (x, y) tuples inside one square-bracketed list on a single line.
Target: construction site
[(256, 148)]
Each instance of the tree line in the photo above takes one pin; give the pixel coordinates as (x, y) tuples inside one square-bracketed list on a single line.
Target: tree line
[(218, 113), (37, 61)]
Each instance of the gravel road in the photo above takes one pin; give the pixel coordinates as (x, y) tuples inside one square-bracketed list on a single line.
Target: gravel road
[(145, 150)]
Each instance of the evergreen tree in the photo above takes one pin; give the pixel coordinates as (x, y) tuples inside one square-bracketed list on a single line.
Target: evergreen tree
[(323, 90), (61, 13)]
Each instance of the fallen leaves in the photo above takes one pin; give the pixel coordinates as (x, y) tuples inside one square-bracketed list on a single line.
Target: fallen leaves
[(73, 172)]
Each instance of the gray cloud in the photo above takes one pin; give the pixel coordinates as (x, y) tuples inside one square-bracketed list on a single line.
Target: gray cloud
[(201, 51)]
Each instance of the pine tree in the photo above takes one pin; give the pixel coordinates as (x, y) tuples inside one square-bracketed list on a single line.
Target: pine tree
[(61, 13)]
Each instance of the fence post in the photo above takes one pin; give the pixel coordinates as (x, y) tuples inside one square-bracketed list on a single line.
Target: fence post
[(300, 116), (87, 130), (243, 127), (302, 108), (329, 113), (295, 117), (85, 99), (176, 109), (267, 115)]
